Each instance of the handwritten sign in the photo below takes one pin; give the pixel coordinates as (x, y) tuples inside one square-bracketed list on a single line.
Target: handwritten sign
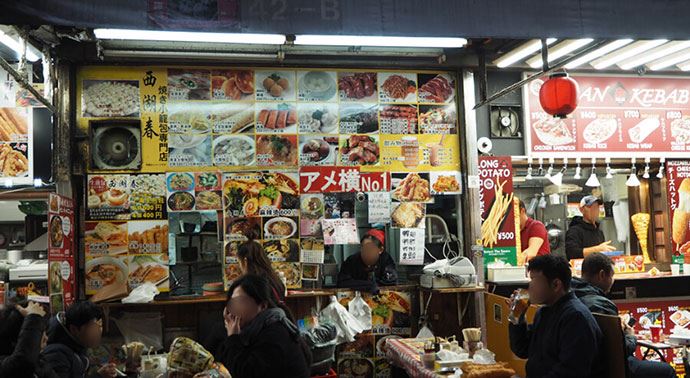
[(411, 246), (379, 207), (339, 231)]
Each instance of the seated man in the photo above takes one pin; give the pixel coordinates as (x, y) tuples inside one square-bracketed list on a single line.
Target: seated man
[(596, 282), (565, 339)]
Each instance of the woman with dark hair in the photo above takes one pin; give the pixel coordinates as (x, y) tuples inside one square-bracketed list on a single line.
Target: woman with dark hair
[(22, 336), (253, 260), (371, 267), (262, 341)]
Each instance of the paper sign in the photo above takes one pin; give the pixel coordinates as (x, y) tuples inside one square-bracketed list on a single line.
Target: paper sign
[(339, 231), (412, 246), (379, 207)]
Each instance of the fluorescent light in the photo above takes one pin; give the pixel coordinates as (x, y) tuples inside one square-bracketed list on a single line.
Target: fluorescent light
[(659, 52), (626, 52), (560, 50), (9, 183), (668, 61), (180, 36), (378, 41), (603, 50), (521, 52), (16, 46)]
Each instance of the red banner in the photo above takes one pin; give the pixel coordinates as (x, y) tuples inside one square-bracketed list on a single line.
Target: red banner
[(617, 116), (342, 179), (61, 273), (678, 186), (500, 236)]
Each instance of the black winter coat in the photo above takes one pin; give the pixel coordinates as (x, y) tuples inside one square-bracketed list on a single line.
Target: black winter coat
[(24, 361), (64, 355), (355, 275), (563, 342), (581, 235)]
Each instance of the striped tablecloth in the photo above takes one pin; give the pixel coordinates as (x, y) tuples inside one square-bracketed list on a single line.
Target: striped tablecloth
[(405, 354)]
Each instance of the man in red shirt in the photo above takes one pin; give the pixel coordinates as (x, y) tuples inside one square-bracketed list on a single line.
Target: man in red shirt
[(533, 237)]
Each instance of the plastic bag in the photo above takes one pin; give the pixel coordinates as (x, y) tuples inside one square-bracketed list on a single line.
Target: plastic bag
[(360, 310), (347, 325), (142, 294), (143, 327)]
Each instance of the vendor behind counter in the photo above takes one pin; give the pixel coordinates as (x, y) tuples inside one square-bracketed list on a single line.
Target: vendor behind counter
[(371, 267), (584, 235)]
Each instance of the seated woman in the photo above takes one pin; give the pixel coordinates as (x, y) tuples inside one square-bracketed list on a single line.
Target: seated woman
[(369, 268), (262, 341)]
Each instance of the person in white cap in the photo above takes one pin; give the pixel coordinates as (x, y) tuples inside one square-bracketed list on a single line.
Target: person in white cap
[(584, 235)]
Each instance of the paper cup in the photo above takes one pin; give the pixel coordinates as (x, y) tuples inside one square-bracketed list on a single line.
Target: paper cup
[(675, 269)]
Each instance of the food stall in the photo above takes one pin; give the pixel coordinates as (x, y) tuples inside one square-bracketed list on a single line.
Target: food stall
[(625, 144)]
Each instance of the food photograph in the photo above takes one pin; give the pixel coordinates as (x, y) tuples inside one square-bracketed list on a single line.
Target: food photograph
[(445, 183), (243, 228), (189, 84), (357, 86), (102, 272), (189, 117), (14, 125), (317, 118), (255, 194), (110, 98), (187, 150), (280, 228), (397, 87), (148, 268), (277, 150), (292, 273), (359, 119), (276, 118), (232, 85), (436, 119), (398, 119), (106, 238), (408, 215), (108, 196), (234, 150), (275, 85), (282, 250), (411, 187), (359, 150), (317, 86), (318, 150), (232, 118), (148, 237)]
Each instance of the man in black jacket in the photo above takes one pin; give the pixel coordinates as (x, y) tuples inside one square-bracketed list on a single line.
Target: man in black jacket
[(597, 280), (70, 334), (564, 340), (369, 268), (584, 235)]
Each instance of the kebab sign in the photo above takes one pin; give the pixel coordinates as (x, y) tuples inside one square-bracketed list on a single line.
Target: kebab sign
[(500, 237)]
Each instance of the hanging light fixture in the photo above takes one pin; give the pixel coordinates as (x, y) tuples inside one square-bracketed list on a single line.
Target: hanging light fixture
[(609, 171), (529, 169), (557, 179), (593, 180), (550, 170), (646, 168), (558, 95), (633, 180), (578, 169), (660, 174), (540, 171)]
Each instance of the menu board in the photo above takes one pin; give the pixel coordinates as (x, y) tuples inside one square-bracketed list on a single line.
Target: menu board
[(126, 196), (242, 118), (616, 116), (678, 186), (500, 234), (666, 314), (16, 132), (61, 273)]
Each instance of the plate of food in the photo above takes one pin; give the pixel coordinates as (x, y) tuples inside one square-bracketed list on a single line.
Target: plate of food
[(181, 201), (317, 118), (600, 130), (439, 89), (234, 150), (232, 84), (180, 182), (282, 250), (316, 151), (280, 228), (104, 271), (408, 215), (106, 238), (680, 130), (437, 119), (150, 237), (275, 85), (243, 228), (681, 318), (413, 188), (359, 119), (187, 84), (55, 277), (189, 119), (445, 182), (359, 150), (357, 86), (553, 132), (207, 181), (247, 194), (146, 268), (312, 206), (292, 272), (233, 118), (110, 98), (56, 234), (209, 200), (317, 86), (276, 150), (398, 87)]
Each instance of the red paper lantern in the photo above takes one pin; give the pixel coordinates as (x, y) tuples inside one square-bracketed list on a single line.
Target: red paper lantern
[(558, 95)]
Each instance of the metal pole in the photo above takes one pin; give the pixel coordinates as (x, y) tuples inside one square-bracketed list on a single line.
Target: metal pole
[(25, 84)]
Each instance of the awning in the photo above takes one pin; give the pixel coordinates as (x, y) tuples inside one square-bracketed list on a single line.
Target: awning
[(515, 19)]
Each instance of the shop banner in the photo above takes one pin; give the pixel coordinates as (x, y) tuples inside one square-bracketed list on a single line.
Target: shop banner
[(500, 234), (616, 116), (341, 179), (61, 271), (678, 186), (16, 133), (665, 314)]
